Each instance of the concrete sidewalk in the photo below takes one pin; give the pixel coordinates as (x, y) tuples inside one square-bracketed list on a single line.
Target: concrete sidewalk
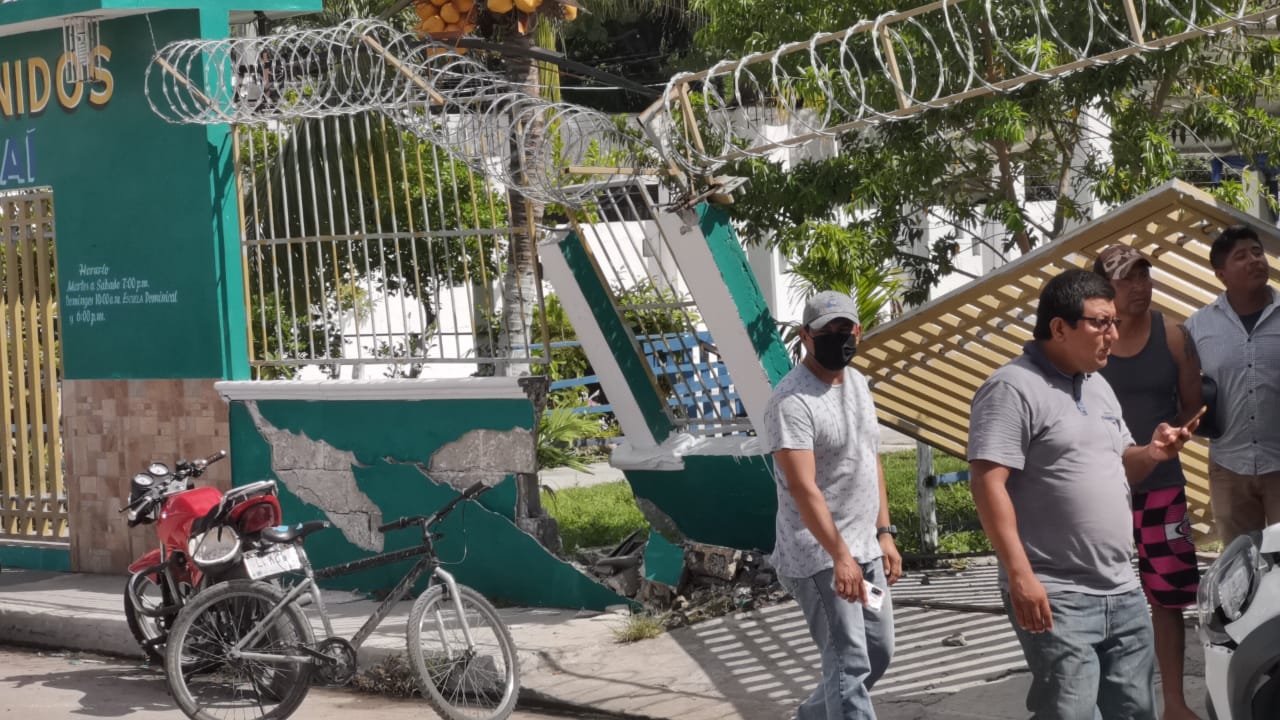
[(568, 659), (956, 657)]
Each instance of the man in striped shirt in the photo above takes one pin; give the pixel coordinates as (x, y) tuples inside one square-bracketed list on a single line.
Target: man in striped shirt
[(1238, 339)]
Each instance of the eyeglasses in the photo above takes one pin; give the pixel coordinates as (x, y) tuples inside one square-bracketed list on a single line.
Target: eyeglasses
[(1103, 324)]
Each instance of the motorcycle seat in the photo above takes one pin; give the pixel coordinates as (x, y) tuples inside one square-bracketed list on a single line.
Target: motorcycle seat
[(289, 533)]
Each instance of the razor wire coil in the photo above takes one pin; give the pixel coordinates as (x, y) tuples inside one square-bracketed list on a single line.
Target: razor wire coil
[(520, 140), (905, 62), (877, 71)]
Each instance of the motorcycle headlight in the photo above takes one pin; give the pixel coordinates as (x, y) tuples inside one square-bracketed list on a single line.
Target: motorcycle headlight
[(215, 547), (1228, 587)]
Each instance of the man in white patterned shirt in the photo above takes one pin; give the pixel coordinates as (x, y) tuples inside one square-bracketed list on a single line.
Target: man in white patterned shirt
[(834, 537), (1238, 339)]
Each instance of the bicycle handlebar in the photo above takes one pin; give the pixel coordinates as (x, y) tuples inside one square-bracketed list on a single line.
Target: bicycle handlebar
[(428, 520), (398, 524)]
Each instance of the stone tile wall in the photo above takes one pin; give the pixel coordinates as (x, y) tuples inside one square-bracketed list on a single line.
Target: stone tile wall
[(111, 430)]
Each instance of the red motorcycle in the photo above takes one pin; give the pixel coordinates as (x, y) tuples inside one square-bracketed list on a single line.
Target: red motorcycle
[(202, 533)]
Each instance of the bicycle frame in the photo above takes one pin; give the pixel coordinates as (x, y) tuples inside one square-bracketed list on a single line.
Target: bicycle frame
[(429, 564)]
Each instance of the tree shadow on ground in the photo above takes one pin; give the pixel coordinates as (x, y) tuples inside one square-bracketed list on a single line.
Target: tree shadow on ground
[(106, 690)]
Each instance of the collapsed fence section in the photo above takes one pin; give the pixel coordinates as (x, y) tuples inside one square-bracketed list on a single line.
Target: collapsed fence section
[(652, 296)]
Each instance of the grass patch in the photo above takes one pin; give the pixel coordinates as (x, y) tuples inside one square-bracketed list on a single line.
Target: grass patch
[(640, 626), (958, 528), (594, 516), (604, 514)]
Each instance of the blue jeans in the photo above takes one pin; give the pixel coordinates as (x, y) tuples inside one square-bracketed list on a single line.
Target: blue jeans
[(1098, 661), (856, 643)]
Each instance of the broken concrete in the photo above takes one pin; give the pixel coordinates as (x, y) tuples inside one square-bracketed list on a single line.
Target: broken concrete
[(321, 475), (625, 582), (712, 560), (487, 456)]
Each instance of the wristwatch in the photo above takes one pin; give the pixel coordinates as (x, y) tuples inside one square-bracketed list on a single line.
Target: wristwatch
[(887, 529)]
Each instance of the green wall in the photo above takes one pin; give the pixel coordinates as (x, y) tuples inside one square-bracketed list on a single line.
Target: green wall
[(146, 230), (36, 557), (717, 499), (390, 442)]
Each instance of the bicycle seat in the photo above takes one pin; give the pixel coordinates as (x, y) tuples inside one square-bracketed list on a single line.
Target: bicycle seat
[(289, 533)]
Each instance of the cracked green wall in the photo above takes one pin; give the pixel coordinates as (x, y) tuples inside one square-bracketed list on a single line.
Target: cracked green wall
[(389, 440)]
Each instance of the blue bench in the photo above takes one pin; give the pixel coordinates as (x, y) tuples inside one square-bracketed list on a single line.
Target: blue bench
[(702, 389)]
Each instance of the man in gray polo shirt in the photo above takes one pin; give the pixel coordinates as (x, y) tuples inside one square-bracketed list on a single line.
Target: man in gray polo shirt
[(1051, 462), (834, 537)]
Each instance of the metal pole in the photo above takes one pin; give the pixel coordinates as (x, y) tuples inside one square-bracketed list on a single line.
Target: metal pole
[(926, 503)]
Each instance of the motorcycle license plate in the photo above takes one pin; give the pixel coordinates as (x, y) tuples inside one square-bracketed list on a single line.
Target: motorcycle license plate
[(270, 564)]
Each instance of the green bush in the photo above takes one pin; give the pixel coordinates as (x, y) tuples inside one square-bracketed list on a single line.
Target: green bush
[(958, 528), (559, 429), (594, 516)]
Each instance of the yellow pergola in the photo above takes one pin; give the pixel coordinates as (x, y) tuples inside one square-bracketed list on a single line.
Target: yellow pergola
[(925, 366)]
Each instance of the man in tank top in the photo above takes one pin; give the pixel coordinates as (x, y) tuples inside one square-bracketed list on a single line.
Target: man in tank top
[(1155, 373)]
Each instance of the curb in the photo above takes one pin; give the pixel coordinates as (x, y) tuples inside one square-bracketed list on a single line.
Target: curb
[(109, 636), (81, 633)]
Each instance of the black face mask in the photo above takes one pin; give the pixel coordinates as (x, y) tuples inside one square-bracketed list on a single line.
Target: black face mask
[(834, 351)]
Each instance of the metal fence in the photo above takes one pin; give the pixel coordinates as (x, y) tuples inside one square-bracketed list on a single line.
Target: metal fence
[(33, 498), (367, 252), (371, 253)]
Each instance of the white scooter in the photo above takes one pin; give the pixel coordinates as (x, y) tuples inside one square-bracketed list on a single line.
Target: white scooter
[(1239, 606)]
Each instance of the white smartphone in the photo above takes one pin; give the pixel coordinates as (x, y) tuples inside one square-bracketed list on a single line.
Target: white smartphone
[(875, 596)]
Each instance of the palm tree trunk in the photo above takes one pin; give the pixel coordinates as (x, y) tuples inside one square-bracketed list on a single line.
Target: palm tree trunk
[(519, 282), (520, 290)]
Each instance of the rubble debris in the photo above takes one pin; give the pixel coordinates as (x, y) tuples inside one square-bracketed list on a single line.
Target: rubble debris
[(625, 582), (655, 594), (715, 580), (712, 560)]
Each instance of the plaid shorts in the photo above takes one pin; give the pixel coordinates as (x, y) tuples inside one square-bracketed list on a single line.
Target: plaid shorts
[(1166, 554)]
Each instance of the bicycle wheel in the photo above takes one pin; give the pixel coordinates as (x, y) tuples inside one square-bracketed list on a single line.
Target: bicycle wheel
[(461, 682), (222, 686)]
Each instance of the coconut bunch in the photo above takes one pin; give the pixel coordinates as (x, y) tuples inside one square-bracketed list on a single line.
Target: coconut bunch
[(445, 18), (555, 8), (451, 19)]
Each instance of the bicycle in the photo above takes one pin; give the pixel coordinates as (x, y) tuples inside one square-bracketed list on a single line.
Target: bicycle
[(247, 646)]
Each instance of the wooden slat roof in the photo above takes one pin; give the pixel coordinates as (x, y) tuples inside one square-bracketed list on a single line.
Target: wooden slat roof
[(925, 366)]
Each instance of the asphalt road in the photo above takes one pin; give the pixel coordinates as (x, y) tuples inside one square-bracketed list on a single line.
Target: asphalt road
[(57, 686)]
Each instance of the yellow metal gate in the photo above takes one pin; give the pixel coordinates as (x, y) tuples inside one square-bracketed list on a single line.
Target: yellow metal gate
[(34, 502)]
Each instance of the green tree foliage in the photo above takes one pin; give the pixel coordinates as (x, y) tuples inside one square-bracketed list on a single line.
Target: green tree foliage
[(961, 165), (644, 41), (557, 432), (847, 261)]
